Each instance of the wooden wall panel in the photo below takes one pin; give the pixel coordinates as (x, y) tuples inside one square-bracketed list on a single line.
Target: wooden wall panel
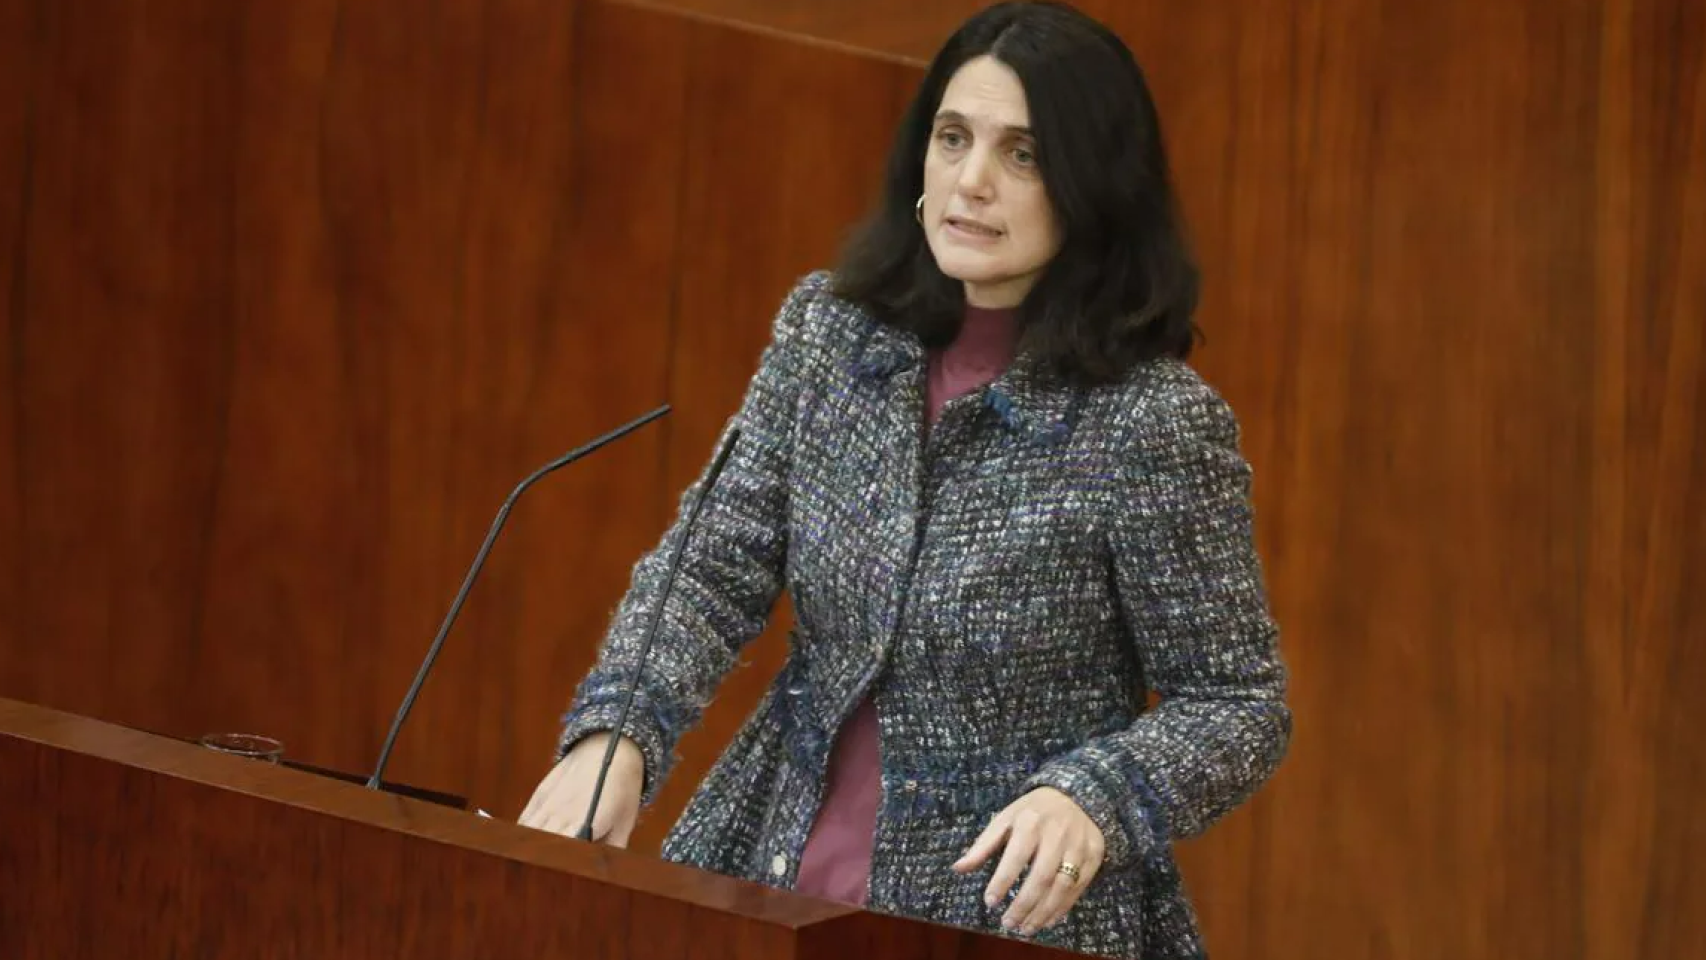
[(620, 283), (18, 52), (1646, 542), (293, 296), (123, 235)]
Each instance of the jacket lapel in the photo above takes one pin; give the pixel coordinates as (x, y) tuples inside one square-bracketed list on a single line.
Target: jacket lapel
[(1032, 408)]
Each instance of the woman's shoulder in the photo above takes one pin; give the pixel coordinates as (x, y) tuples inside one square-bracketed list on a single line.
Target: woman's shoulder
[(1167, 398), (826, 324)]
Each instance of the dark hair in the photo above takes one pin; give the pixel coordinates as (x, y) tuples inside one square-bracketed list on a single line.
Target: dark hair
[(1123, 288)]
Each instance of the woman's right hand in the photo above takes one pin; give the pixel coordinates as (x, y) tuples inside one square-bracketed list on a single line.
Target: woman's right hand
[(559, 804)]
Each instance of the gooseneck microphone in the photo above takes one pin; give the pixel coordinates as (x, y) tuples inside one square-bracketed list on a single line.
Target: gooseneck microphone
[(474, 571), (651, 633)]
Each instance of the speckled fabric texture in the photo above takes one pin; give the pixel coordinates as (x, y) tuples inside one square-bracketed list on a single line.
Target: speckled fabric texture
[(1007, 590)]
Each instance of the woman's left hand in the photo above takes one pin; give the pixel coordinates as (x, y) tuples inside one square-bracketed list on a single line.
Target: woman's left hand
[(1046, 831)]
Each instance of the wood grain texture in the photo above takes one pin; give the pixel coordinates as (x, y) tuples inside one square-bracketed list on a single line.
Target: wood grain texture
[(293, 294), (121, 843)]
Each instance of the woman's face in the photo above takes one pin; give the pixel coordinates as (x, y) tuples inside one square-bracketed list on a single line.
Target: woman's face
[(986, 215)]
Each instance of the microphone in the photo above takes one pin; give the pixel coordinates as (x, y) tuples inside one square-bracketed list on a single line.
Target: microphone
[(474, 571), (711, 475)]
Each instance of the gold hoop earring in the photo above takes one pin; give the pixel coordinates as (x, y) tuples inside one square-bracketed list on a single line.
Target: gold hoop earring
[(918, 209)]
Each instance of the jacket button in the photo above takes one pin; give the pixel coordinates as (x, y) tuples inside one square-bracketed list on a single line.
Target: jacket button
[(779, 866)]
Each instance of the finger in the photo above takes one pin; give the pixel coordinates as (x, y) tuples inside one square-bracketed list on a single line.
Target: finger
[(1022, 913), (987, 843), (1062, 893), (528, 812), (547, 798), (1021, 844), (1093, 860), (573, 818), (539, 807), (613, 811), (623, 817), (538, 812), (619, 834), (550, 818), (564, 813), (1095, 852)]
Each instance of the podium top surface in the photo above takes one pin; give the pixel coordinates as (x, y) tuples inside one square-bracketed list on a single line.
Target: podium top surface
[(638, 873), (122, 842)]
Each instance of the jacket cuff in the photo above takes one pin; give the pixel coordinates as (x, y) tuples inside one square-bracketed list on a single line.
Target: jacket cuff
[(651, 726), (1129, 825)]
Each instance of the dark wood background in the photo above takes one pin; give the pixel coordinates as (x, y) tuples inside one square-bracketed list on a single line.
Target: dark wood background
[(291, 295)]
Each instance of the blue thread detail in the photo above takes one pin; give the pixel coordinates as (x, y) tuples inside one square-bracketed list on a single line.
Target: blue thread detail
[(1002, 404), (1149, 805), (916, 790), (1058, 431), (806, 739), (980, 783), (860, 365), (608, 688), (874, 360), (868, 369)]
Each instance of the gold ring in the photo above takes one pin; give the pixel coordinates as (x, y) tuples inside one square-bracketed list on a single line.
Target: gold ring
[(1071, 871)]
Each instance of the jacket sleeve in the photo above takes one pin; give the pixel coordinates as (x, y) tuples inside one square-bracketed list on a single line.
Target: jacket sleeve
[(729, 577), (1192, 593)]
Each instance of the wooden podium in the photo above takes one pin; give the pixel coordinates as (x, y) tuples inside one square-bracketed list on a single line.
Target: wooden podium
[(115, 843)]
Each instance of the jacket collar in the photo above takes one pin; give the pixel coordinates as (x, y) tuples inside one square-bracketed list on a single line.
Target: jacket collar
[(1022, 399)]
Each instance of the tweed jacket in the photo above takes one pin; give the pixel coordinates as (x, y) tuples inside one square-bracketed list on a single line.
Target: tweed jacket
[(1009, 589)]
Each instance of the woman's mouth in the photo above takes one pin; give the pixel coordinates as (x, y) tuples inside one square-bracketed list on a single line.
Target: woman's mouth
[(972, 229)]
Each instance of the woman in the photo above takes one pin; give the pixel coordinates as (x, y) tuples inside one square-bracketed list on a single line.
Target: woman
[(1005, 511)]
